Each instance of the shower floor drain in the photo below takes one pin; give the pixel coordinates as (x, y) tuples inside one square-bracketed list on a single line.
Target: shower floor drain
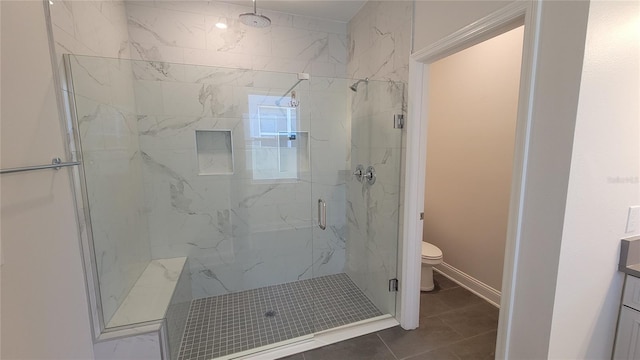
[(270, 313)]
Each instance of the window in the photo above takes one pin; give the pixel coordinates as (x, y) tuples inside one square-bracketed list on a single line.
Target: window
[(278, 150)]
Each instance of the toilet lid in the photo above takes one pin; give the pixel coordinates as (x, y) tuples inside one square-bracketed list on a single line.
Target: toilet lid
[(430, 251)]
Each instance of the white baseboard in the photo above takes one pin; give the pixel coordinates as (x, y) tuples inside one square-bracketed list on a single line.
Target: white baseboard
[(470, 283)]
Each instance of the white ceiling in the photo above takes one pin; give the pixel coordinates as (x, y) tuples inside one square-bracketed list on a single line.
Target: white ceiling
[(338, 10)]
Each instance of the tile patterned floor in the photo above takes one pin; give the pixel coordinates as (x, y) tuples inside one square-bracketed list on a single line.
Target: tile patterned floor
[(454, 324), (227, 324)]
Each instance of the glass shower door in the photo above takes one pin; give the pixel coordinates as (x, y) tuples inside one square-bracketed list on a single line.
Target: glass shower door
[(357, 252), (373, 200)]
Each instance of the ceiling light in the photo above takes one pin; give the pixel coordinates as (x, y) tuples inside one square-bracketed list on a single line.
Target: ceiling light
[(222, 23)]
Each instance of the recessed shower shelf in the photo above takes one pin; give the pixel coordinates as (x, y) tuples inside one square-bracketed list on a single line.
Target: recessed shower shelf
[(214, 150)]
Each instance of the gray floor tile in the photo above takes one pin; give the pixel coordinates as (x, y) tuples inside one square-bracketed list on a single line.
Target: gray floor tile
[(478, 347), (431, 335), (438, 354), (436, 338), (432, 304), (472, 320), (446, 300), (368, 347)]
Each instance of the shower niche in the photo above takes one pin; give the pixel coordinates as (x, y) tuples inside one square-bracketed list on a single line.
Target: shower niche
[(214, 150)]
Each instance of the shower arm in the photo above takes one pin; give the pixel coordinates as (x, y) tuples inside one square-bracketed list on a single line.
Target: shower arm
[(288, 91)]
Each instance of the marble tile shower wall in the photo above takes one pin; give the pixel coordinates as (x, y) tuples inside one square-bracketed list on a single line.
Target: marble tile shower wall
[(107, 120), (379, 48), (379, 38), (95, 28), (240, 232), (185, 32)]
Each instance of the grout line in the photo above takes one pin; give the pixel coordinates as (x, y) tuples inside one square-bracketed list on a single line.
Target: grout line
[(454, 330), (385, 344), (453, 310), (450, 344), (477, 335)]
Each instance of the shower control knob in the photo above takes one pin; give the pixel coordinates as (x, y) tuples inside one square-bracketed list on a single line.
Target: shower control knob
[(370, 175), (359, 173)]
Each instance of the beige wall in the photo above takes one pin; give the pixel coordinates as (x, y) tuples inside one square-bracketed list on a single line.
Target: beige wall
[(559, 45), (44, 306), (472, 110)]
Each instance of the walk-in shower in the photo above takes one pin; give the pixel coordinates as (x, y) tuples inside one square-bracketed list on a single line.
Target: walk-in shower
[(200, 188)]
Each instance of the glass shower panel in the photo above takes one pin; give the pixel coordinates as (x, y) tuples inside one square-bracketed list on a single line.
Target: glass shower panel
[(330, 129), (373, 205), (208, 163), (112, 170), (222, 170)]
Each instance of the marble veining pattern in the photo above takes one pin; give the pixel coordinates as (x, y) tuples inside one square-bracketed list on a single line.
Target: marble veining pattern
[(185, 32), (240, 232), (378, 48)]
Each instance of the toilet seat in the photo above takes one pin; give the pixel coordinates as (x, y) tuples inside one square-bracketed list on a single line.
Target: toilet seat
[(430, 251)]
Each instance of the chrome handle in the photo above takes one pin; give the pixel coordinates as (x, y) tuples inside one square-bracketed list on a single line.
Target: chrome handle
[(322, 214), (359, 173), (370, 175)]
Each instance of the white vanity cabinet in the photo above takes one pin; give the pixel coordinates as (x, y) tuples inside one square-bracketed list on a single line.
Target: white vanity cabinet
[(627, 344)]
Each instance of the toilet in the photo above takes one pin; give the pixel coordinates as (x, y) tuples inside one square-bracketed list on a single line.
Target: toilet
[(431, 255)]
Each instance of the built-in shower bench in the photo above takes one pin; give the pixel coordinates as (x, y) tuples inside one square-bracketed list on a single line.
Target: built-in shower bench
[(150, 321), (150, 296)]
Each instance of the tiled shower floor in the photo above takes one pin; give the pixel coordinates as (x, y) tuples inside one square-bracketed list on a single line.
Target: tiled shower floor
[(227, 324)]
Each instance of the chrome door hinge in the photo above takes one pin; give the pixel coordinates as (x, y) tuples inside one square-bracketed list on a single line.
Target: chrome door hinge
[(398, 121), (393, 285)]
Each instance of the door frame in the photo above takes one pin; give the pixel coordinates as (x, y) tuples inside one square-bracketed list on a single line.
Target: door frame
[(515, 14)]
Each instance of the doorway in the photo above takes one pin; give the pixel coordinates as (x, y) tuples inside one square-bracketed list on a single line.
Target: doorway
[(472, 114), (508, 18)]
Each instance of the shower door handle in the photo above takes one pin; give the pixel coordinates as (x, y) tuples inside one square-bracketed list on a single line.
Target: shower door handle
[(322, 214)]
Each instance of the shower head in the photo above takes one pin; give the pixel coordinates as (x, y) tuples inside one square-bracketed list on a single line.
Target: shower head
[(354, 87), (254, 19)]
